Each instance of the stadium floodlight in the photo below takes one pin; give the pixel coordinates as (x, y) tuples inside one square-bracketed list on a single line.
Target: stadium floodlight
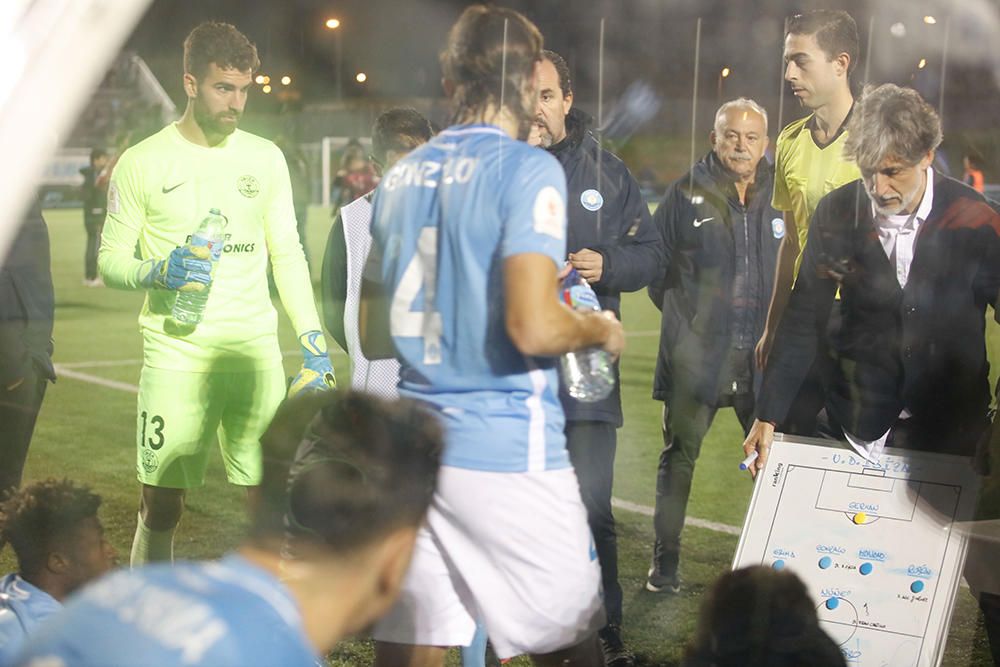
[(361, 77), (259, 79), (267, 88), (930, 20), (286, 80), (267, 79), (40, 43), (922, 64), (332, 24), (725, 72), (898, 30)]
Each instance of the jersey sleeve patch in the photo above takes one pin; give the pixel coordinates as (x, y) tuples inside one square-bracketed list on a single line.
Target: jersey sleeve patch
[(114, 202), (550, 213)]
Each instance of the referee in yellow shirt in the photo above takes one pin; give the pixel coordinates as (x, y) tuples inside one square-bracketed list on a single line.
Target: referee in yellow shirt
[(821, 52)]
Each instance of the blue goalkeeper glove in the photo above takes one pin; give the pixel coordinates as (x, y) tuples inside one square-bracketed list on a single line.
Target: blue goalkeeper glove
[(316, 373), (184, 270)]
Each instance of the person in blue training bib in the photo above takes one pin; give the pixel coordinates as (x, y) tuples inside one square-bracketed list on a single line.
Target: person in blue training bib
[(347, 480), (469, 234), (53, 528)]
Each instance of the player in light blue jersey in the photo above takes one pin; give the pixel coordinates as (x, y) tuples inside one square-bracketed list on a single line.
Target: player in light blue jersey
[(469, 232), (53, 528), (347, 480)]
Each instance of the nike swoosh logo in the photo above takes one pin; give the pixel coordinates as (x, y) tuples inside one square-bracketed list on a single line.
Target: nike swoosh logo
[(699, 223), (166, 189)]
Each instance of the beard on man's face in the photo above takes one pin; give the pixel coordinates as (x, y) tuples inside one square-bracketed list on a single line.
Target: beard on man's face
[(223, 123)]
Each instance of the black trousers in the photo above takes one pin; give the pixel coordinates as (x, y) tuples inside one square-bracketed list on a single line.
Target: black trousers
[(990, 604), (93, 227), (592, 448), (18, 413), (686, 420)]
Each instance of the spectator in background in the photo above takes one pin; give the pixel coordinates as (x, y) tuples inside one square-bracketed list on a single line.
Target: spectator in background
[(27, 308), (356, 176), (760, 617), (53, 528), (95, 199), (973, 176)]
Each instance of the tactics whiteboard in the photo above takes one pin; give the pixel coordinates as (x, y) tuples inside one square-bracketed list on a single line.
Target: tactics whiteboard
[(876, 545)]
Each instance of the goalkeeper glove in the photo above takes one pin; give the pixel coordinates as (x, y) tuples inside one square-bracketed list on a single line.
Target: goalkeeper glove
[(316, 373), (186, 269)]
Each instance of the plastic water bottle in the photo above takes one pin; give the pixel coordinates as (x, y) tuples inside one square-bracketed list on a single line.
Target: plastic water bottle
[(206, 243), (589, 373)]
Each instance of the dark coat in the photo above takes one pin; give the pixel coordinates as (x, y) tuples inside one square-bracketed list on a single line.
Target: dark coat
[(921, 347), (27, 303), (694, 291), (620, 230)]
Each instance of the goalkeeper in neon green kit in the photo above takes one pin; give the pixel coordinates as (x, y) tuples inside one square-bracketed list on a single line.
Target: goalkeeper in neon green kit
[(225, 376)]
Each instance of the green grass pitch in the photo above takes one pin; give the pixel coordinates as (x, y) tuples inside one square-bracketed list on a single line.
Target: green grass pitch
[(86, 432)]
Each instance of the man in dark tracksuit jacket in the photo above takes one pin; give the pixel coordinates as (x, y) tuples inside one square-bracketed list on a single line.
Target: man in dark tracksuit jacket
[(721, 238), (27, 308), (612, 243)]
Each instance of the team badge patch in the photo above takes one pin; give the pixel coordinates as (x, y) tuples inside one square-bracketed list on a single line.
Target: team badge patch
[(550, 213), (778, 228), (591, 199), (114, 203), (248, 186), (150, 462)]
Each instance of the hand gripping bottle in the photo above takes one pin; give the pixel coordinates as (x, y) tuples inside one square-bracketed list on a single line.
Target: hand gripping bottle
[(206, 243), (588, 374)]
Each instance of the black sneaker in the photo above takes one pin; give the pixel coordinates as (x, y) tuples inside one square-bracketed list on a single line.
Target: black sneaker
[(615, 653), (662, 576)]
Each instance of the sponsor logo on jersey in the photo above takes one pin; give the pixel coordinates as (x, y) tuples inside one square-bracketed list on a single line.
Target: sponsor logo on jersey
[(778, 228), (591, 199), (248, 186), (231, 246), (699, 222), (550, 213)]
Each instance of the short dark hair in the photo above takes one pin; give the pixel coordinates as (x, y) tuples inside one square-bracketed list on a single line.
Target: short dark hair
[(399, 129), (96, 154), (219, 43), (562, 69), (43, 517), (835, 31), (760, 617), (343, 469), (480, 50)]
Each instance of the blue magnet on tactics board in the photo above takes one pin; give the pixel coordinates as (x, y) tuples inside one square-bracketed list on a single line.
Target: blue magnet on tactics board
[(778, 564), (866, 568), (832, 603), (917, 586), (825, 562)]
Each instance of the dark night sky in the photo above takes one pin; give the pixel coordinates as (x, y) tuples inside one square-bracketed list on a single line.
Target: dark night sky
[(396, 42)]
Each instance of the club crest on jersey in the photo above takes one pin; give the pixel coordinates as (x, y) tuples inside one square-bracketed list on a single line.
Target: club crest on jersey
[(150, 462), (248, 186), (591, 199), (778, 228)]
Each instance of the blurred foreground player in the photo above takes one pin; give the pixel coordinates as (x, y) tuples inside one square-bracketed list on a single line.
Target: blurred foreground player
[(469, 232), (226, 375), (53, 528), (347, 481), (613, 244)]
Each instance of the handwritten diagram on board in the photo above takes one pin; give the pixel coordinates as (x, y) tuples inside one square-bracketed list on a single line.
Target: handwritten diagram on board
[(875, 544)]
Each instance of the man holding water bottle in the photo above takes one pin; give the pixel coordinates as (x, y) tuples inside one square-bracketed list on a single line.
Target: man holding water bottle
[(224, 373), (613, 246)]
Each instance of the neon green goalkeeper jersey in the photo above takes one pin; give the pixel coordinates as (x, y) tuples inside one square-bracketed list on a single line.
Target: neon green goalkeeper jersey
[(160, 191)]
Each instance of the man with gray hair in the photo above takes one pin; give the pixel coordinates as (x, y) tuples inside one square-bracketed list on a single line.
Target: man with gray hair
[(907, 362), (721, 237)]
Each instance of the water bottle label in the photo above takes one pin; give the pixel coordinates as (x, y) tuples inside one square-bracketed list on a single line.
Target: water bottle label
[(214, 246), (582, 297)]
